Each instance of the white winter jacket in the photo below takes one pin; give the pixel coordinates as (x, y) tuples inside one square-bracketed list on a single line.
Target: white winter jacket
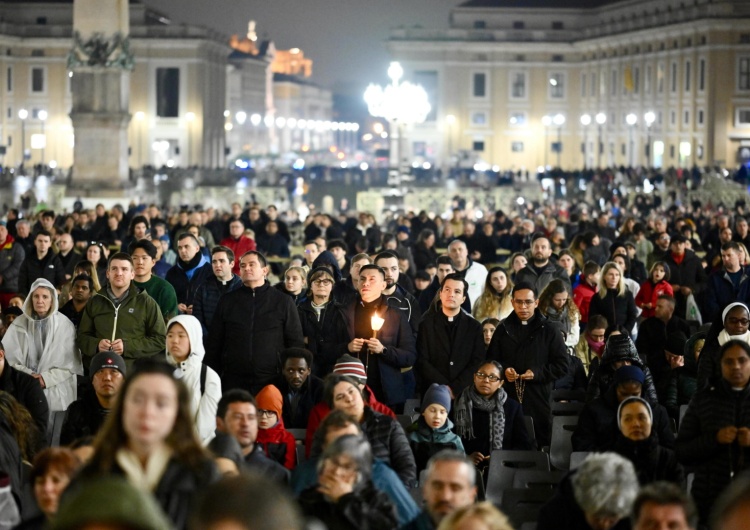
[(203, 406)]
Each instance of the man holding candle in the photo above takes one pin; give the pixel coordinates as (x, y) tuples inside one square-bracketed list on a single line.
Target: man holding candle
[(396, 295), (382, 339)]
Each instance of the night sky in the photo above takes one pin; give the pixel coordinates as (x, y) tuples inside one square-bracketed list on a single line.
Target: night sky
[(345, 38)]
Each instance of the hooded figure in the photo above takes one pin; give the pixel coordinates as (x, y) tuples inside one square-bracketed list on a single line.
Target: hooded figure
[(618, 351), (203, 383), (42, 343)]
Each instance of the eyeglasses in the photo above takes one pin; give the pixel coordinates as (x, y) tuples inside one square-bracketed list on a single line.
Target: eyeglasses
[(266, 413), (323, 282), (492, 378), (525, 303), (740, 321)]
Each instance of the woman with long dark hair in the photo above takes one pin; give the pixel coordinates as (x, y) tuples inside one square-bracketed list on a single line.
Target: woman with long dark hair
[(424, 249), (149, 438)]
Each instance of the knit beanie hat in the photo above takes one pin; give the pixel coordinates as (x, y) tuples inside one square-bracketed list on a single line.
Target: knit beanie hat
[(351, 366), (437, 394), (269, 398), (107, 359), (633, 399), (110, 500), (629, 373)]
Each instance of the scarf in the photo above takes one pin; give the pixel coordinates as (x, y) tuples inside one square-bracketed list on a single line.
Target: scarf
[(144, 478), (470, 399), (678, 257), (725, 337), (190, 265), (596, 346)]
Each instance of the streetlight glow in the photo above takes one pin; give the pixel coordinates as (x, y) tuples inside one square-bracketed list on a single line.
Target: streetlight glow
[(631, 119), (42, 115), (649, 118), (241, 117), (23, 114), (546, 121), (586, 120), (601, 118), (559, 120)]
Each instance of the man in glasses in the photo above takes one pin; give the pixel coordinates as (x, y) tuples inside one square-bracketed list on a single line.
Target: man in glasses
[(534, 356), (449, 344)]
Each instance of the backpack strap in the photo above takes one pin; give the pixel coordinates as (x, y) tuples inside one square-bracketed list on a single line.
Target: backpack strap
[(204, 371)]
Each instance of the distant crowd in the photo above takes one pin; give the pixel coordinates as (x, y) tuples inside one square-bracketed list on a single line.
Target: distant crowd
[(251, 368)]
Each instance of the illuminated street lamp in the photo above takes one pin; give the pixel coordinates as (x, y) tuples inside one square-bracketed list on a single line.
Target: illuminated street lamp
[(601, 119), (649, 118), (400, 103), (559, 120), (585, 121), (631, 119)]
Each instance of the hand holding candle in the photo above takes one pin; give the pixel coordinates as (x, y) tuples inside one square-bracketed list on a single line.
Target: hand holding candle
[(376, 323)]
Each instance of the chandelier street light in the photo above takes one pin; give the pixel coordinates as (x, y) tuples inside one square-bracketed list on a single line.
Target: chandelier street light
[(649, 118), (601, 119), (585, 121), (401, 103)]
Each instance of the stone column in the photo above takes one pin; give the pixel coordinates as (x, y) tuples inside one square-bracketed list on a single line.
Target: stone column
[(100, 61)]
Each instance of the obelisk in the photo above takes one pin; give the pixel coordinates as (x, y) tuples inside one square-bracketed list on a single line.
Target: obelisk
[(100, 62)]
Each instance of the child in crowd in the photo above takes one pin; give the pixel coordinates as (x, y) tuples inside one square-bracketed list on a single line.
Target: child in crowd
[(585, 291), (433, 431), (277, 442), (656, 285)]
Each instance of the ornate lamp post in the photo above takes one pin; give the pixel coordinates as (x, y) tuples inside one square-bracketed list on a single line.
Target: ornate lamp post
[(400, 103)]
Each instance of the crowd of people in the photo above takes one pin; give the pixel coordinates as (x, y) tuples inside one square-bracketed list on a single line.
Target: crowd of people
[(250, 367)]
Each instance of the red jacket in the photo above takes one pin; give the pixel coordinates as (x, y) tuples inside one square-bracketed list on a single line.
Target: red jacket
[(582, 295), (278, 444), (322, 409), (239, 247), (649, 293)]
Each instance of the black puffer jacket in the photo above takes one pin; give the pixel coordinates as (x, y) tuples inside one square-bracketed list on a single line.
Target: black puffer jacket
[(326, 338), (651, 460), (715, 464), (389, 443), (597, 424), (618, 310), (619, 348), (50, 268), (365, 508)]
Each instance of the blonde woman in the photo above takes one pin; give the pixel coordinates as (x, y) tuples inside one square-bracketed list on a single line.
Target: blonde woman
[(613, 301), (494, 301)]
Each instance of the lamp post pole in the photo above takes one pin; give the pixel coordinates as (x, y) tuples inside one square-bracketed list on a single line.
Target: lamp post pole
[(22, 115), (190, 116), (450, 119), (601, 119), (546, 121), (559, 120), (585, 121), (649, 118), (42, 115), (631, 119)]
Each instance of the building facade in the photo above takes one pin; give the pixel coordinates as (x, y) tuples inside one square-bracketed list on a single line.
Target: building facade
[(524, 84)]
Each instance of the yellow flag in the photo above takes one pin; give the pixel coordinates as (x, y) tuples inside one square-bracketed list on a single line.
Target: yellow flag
[(628, 78)]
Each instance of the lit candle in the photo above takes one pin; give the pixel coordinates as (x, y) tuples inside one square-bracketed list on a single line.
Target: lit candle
[(376, 323)]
